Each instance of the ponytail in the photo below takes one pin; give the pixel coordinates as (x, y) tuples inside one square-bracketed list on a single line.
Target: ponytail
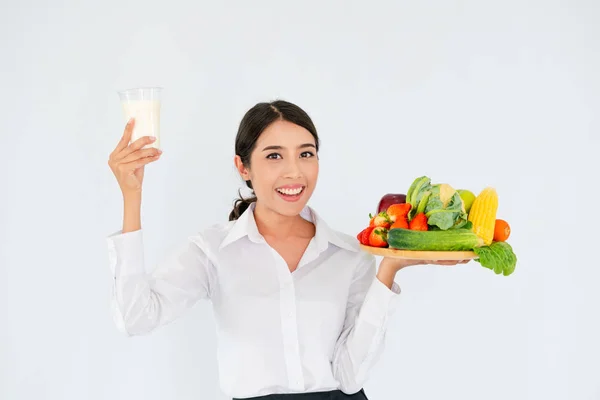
[(241, 204)]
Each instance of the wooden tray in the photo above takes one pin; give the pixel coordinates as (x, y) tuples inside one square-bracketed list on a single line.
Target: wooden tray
[(420, 255)]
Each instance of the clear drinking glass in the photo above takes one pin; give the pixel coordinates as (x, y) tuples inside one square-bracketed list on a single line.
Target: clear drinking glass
[(143, 104)]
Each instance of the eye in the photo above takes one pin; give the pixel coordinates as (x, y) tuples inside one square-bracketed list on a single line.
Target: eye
[(273, 156), (307, 154)]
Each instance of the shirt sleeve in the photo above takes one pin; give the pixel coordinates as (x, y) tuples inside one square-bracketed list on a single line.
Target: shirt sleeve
[(143, 301), (370, 305)]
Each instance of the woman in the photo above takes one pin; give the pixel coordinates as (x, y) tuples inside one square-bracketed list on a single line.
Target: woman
[(301, 312)]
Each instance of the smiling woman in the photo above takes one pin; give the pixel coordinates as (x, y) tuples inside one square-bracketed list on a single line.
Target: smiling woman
[(301, 311), (285, 163)]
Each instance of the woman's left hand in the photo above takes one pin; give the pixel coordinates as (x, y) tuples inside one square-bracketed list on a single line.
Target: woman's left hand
[(396, 264), (390, 266)]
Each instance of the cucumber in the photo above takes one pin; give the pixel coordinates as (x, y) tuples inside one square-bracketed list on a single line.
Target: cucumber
[(449, 240)]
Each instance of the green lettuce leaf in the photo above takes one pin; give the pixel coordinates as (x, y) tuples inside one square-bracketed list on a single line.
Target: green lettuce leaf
[(445, 208), (498, 256)]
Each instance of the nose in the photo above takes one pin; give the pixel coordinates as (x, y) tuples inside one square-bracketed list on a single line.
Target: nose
[(292, 169)]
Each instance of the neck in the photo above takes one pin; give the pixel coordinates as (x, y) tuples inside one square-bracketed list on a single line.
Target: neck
[(275, 225)]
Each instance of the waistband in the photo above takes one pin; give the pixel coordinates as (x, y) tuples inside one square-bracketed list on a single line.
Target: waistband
[(328, 395)]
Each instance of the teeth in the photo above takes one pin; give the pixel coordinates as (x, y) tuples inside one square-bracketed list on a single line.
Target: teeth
[(290, 192)]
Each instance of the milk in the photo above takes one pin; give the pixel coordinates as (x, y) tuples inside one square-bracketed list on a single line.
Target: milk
[(147, 119)]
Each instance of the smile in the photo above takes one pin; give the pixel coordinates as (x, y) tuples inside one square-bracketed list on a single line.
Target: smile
[(290, 193)]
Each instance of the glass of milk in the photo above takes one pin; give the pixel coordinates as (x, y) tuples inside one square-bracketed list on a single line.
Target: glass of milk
[(143, 104)]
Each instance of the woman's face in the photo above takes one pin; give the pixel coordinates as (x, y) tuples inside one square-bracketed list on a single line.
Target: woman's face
[(283, 168)]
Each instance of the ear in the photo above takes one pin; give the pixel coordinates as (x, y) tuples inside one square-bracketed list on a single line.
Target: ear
[(243, 171)]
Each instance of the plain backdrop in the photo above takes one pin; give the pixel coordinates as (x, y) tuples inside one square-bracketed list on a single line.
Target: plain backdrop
[(470, 93)]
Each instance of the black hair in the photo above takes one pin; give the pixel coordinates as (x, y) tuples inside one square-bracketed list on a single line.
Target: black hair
[(254, 122)]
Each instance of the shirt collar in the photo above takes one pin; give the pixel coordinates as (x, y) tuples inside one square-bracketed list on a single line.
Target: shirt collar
[(245, 225)]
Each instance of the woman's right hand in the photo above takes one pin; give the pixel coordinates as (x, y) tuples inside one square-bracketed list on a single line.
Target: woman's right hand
[(127, 161)]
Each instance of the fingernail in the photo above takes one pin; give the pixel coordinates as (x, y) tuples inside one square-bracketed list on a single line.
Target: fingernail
[(152, 139)]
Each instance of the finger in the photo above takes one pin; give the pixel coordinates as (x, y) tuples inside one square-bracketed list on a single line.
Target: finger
[(149, 152), (446, 262), (135, 146), (126, 137), (140, 163)]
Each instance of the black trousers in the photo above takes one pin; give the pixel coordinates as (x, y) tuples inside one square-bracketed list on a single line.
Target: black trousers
[(330, 395)]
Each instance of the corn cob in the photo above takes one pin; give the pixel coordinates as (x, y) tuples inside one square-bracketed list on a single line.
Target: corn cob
[(483, 214)]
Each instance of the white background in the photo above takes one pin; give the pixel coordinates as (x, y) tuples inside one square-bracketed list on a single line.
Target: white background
[(471, 93)]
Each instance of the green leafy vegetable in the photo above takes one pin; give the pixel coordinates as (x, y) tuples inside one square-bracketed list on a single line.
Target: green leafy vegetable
[(462, 225), (498, 256), (445, 208), (441, 203)]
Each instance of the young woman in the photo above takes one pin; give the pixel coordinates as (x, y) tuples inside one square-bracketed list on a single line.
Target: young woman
[(301, 312)]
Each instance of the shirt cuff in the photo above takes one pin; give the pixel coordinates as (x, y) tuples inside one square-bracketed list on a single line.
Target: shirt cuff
[(126, 253), (380, 303)]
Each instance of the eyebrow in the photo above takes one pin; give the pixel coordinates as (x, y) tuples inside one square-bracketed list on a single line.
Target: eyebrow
[(302, 146)]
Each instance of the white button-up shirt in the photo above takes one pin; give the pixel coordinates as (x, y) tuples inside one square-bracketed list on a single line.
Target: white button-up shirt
[(318, 328)]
